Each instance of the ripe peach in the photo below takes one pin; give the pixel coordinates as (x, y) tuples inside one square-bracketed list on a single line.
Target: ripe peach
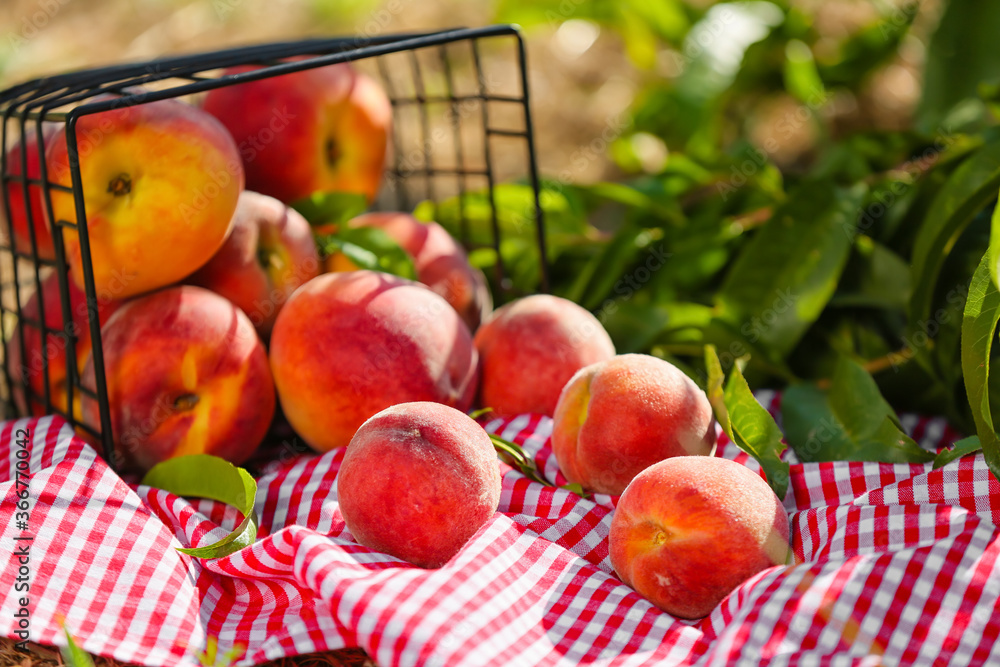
[(268, 254), (531, 347), (348, 345), (617, 417), (19, 213), (160, 185), (439, 260), (689, 530), (418, 480), (53, 352), (186, 374), (323, 129)]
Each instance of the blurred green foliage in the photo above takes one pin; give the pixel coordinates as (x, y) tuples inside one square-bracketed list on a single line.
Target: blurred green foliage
[(842, 276)]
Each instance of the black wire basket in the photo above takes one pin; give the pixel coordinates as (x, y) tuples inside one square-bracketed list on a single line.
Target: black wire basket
[(461, 126)]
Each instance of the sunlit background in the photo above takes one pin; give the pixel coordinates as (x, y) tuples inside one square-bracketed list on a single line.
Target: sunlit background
[(616, 84)]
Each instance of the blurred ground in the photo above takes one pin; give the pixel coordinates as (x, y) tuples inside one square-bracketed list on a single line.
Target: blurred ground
[(581, 80)]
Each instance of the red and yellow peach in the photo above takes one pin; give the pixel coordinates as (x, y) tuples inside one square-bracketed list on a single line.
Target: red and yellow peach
[(349, 345), (531, 347), (618, 417), (690, 529), (418, 480)]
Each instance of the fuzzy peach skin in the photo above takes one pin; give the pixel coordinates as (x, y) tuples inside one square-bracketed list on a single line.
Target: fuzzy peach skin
[(323, 129), (689, 530), (531, 347), (418, 480), (267, 256), (348, 345), (186, 374), (618, 417), (52, 351), (36, 206), (440, 262), (160, 185)]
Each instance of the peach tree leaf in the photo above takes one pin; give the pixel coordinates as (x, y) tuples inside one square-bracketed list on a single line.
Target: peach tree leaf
[(994, 248), (331, 208), (963, 447), (207, 476), (715, 392), (368, 248), (513, 455), (755, 431), (979, 326), (849, 422), (73, 655), (968, 189)]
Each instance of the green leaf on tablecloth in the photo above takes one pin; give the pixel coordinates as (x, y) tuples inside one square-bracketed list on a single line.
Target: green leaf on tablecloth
[(745, 421), (850, 421), (207, 476), (979, 325), (755, 431), (715, 391), (73, 655), (963, 447), (512, 454)]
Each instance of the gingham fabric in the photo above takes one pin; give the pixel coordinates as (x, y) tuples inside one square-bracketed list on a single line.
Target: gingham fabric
[(893, 564)]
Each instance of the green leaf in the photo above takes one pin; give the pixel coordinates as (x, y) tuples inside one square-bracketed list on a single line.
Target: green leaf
[(994, 249), (979, 325), (513, 455), (868, 48), (321, 208), (207, 476), (210, 656), (963, 447), (368, 248), (783, 278), (73, 655), (961, 55), (632, 326), (849, 422), (514, 205), (875, 277), (802, 78), (755, 431), (969, 188), (715, 392)]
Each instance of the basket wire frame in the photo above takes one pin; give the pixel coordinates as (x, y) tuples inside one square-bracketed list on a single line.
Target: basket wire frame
[(65, 98)]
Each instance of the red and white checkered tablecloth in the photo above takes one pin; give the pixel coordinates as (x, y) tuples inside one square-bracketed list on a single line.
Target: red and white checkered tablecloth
[(893, 564)]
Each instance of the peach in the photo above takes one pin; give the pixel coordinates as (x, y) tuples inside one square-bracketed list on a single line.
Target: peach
[(51, 350), (24, 218), (319, 130), (689, 530), (160, 185), (186, 374), (531, 347), (617, 417), (439, 260), (417, 481), (349, 345), (269, 253)]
